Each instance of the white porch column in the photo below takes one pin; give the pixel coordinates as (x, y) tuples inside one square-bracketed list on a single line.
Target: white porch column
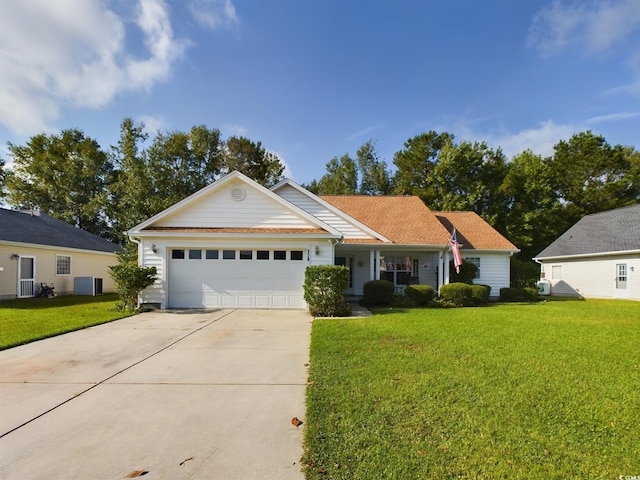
[(372, 259), (377, 265), (445, 268)]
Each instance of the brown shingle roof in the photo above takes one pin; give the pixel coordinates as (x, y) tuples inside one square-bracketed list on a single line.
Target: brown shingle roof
[(473, 232), (403, 220)]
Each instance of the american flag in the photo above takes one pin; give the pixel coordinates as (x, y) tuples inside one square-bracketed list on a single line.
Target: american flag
[(455, 250)]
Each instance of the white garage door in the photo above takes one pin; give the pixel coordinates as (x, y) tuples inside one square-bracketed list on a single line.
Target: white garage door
[(210, 278)]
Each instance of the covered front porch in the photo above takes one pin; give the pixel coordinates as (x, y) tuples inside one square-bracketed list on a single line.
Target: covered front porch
[(401, 266)]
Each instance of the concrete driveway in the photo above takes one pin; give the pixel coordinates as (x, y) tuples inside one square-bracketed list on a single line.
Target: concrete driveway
[(198, 395)]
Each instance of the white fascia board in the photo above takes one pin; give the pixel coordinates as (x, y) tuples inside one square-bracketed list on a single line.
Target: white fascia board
[(331, 208), (586, 255), (486, 250), (287, 236), (138, 229)]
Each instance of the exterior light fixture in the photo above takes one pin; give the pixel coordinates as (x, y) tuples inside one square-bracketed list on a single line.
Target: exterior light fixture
[(154, 249), (317, 250)]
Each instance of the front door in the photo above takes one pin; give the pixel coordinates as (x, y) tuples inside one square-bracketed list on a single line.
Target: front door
[(26, 277), (622, 281)]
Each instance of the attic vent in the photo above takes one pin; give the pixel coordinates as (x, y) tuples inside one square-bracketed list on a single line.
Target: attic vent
[(237, 194)]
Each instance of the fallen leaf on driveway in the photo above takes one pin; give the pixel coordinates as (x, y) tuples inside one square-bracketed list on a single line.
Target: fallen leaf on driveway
[(137, 473), (296, 421)]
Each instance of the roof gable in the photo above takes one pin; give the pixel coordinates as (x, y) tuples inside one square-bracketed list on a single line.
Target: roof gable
[(237, 204), (473, 232), (403, 220), (615, 230), (40, 229), (350, 228)]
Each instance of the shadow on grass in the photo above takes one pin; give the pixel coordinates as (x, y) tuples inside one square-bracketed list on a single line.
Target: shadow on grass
[(37, 303)]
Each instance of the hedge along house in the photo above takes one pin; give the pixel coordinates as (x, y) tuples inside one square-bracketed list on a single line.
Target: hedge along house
[(598, 257), (36, 248), (237, 244)]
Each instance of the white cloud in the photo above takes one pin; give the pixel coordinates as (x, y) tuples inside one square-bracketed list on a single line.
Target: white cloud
[(540, 139), (153, 124), (364, 131), (592, 26), (287, 168), (73, 53), (213, 13), (612, 117), (236, 130)]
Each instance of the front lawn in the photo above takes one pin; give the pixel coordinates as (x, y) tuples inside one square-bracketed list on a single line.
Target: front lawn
[(29, 319), (549, 390)]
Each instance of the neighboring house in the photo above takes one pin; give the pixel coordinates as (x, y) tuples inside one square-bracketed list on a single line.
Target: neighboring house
[(598, 257), (36, 248), (237, 244)]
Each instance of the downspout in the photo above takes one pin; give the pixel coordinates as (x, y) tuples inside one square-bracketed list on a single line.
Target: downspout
[(138, 241)]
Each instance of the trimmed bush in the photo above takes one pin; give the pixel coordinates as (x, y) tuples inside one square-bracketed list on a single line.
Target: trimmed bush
[(467, 273), (459, 294), (419, 294), (324, 287), (377, 292), (480, 294), (527, 294)]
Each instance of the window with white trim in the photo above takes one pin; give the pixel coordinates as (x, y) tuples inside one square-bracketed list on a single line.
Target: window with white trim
[(556, 272), (63, 265)]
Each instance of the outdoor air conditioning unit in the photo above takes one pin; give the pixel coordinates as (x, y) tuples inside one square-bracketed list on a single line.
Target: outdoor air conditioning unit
[(87, 286)]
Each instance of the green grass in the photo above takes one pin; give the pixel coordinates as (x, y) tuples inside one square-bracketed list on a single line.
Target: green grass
[(29, 319), (542, 391)]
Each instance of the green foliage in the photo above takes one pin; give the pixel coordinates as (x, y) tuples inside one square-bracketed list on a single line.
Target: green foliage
[(341, 177), (419, 294), (324, 287), (377, 292), (65, 176), (508, 392), (130, 279), (374, 176), (251, 159), (526, 294), (467, 273), (524, 273), (460, 294), (480, 294)]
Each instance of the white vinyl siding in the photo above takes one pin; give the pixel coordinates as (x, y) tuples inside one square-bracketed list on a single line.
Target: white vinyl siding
[(322, 213), (254, 211), (594, 277)]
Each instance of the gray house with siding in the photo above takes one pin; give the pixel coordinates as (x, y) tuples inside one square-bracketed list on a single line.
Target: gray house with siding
[(598, 257)]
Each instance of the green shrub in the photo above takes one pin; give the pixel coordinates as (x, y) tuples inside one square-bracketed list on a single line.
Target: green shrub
[(457, 293), (130, 279), (527, 294), (377, 292), (480, 294), (419, 294), (402, 301), (324, 287)]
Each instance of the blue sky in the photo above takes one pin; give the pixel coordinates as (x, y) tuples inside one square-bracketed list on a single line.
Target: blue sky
[(314, 79)]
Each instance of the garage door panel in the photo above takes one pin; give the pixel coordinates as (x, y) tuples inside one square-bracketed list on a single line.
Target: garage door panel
[(235, 283)]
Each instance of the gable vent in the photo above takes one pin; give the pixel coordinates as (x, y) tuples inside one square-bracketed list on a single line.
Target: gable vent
[(237, 194)]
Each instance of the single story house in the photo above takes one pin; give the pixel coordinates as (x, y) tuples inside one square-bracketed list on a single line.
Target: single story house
[(238, 244), (598, 257), (36, 248)]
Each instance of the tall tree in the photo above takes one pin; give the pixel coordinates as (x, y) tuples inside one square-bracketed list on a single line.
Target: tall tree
[(65, 176), (3, 177), (594, 176), (468, 176), (415, 164), (181, 163), (374, 175), (251, 159), (535, 215), (341, 177), (131, 190)]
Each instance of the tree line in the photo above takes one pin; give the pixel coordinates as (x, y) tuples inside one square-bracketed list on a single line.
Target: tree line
[(71, 177), (529, 199)]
